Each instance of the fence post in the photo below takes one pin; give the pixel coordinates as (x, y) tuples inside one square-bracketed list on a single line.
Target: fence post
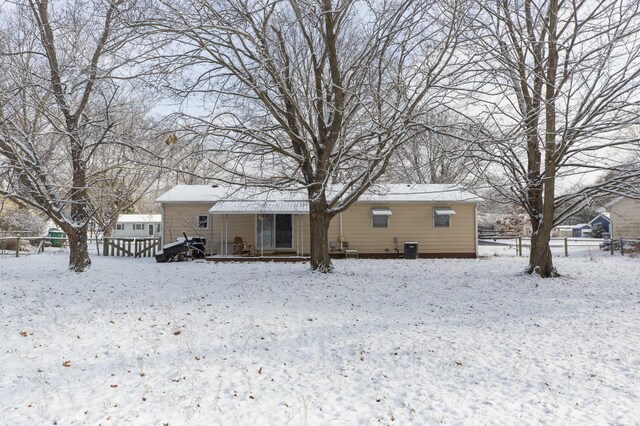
[(621, 247), (520, 246), (611, 246), (566, 247), (18, 247)]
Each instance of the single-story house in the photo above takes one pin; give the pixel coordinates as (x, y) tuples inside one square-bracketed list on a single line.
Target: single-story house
[(578, 231), (138, 226), (624, 214), (604, 221), (442, 219)]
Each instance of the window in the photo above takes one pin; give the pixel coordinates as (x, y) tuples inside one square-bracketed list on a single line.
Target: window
[(119, 226), (380, 218), (138, 226), (442, 217), (203, 221)]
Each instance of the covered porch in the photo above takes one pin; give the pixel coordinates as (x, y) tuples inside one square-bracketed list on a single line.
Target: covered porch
[(260, 230)]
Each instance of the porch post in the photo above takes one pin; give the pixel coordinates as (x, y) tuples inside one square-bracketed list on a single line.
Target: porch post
[(212, 242)]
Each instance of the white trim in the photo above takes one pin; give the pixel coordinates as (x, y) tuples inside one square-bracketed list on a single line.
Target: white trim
[(475, 215), (198, 216), (442, 213)]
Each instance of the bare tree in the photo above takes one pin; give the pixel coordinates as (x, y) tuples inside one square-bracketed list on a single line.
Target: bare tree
[(304, 93), (560, 90), (438, 155), (65, 98)]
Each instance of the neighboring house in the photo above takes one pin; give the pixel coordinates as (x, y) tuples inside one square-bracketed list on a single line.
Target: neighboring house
[(580, 230), (440, 218), (604, 221), (7, 206), (138, 226), (624, 214)]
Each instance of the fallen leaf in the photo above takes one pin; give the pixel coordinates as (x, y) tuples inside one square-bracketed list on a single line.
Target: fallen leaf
[(67, 363), (23, 333), (260, 371), (175, 333), (114, 386)]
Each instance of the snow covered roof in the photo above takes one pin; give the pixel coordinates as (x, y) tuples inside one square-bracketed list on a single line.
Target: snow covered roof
[(214, 193), (418, 192), (193, 194), (260, 206), (139, 218), (605, 215), (377, 193), (578, 226)]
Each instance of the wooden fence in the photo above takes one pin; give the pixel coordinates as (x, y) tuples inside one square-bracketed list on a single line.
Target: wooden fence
[(131, 247), (624, 245)]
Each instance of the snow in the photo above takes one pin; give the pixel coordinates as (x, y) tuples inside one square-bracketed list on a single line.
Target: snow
[(193, 193), (377, 193), (392, 342), (139, 218), (260, 206)]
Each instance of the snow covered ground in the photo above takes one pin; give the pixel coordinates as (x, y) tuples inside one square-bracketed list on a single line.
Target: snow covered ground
[(389, 342)]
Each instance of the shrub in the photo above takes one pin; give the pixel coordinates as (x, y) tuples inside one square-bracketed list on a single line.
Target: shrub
[(23, 223)]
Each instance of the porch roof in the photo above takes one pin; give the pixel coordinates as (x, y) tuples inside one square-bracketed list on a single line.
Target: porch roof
[(260, 206)]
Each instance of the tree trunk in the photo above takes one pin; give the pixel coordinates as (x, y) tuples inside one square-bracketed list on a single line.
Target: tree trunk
[(541, 260), (319, 221), (79, 259)]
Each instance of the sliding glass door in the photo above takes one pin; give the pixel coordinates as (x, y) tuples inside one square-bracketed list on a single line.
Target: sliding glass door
[(274, 231)]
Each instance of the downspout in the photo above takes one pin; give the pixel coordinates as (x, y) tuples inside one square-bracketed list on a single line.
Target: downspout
[(341, 238), (211, 231), (163, 227), (476, 228)]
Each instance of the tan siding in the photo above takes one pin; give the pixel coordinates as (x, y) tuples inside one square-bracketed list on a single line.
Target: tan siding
[(183, 217), (625, 218), (408, 222), (244, 226)]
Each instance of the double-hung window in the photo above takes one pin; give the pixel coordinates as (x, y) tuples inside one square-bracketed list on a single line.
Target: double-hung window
[(442, 217), (380, 217)]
